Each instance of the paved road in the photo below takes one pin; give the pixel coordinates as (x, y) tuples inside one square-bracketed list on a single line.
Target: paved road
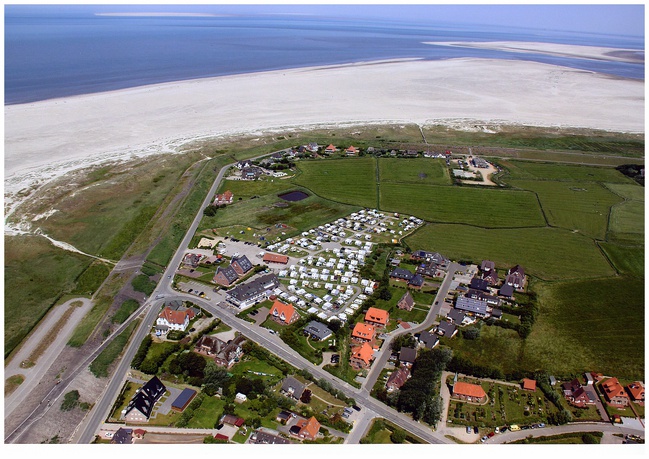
[(509, 437), (361, 426)]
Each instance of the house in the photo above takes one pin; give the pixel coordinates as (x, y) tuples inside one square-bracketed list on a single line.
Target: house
[(259, 437), (175, 319), (244, 164), (479, 284), (240, 398), (636, 391), (491, 277), (516, 277), (318, 331), (140, 407), (241, 265), (406, 302), (275, 258), (225, 276), (402, 275), (482, 296), (292, 388), (407, 356), (283, 314), (363, 333), (614, 392), (576, 395), (496, 313), (529, 384), (428, 339), (416, 282), (506, 290), (330, 149), (456, 316), (284, 416), (478, 307), (468, 392), (427, 269), (446, 329), (312, 147), (183, 400), (487, 265), (410, 154), (192, 260), (122, 436), (397, 379), (224, 354), (224, 199), (232, 420), (251, 173), (431, 257), (361, 356), (245, 295), (377, 317), (306, 429), (351, 151)]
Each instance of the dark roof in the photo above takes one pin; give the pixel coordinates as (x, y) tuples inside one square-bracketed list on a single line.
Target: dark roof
[(491, 277), (407, 355), (293, 387), (401, 273), (456, 316), (497, 313), (487, 265), (518, 269), (479, 284), (416, 280), (229, 273), (243, 263), (146, 397), (427, 269), (183, 399), (318, 329), (269, 439), (398, 377), (471, 305), (253, 288), (428, 339), (407, 299), (122, 436), (506, 290), (232, 420), (446, 328)]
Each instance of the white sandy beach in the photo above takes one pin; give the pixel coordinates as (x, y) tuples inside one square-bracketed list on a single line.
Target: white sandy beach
[(44, 139)]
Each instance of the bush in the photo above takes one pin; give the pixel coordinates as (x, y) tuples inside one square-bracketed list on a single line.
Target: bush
[(142, 352), (143, 284), (398, 436), (70, 400)]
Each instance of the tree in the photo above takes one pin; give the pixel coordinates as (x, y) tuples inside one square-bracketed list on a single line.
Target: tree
[(589, 439), (471, 333), (306, 396), (384, 293), (398, 436), (407, 340)]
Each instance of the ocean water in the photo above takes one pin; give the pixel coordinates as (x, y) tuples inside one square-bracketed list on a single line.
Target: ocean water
[(68, 53)]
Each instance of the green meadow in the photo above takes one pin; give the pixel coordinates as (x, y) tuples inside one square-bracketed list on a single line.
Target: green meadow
[(414, 170), (532, 170)]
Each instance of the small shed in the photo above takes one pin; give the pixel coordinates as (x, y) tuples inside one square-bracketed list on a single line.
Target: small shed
[(553, 381), (529, 384), (240, 398), (183, 400)]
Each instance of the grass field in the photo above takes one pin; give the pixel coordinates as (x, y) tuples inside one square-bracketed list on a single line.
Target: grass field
[(532, 170), (547, 253), (627, 259), (99, 366), (473, 206), (414, 170), (589, 325), (351, 181), (578, 206)]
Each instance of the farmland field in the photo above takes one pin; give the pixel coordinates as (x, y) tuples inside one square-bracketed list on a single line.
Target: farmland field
[(530, 170), (578, 206), (627, 259), (473, 206), (547, 253), (414, 170), (351, 181)]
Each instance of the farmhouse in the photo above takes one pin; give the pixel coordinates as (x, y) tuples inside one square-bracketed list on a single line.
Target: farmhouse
[(283, 314), (224, 199), (317, 331), (468, 392), (140, 407), (292, 388), (245, 295), (478, 307), (275, 258), (397, 379), (406, 302), (377, 317), (241, 265), (183, 400), (225, 276), (363, 333), (614, 392), (361, 356)]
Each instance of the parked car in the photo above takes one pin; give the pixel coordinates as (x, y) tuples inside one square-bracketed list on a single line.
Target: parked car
[(483, 439), (469, 429), (475, 429), (491, 434), (541, 425)]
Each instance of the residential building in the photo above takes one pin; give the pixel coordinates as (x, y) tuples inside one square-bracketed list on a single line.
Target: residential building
[(478, 307), (122, 437), (506, 290), (241, 265), (468, 392), (479, 284), (224, 199), (306, 429), (275, 258), (292, 388), (192, 260), (140, 407), (232, 420), (576, 395), (363, 333), (431, 257), (175, 319), (407, 356), (428, 339), (317, 330), (225, 276), (406, 302), (491, 277), (224, 354), (361, 356), (516, 277), (427, 269), (482, 296), (400, 274), (283, 314), (351, 151), (614, 392), (330, 149), (456, 316), (496, 313), (636, 391), (416, 282), (487, 265), (245, 295), (251, 173), (259, 437), (397, 379), (446, 329), (377, 317)]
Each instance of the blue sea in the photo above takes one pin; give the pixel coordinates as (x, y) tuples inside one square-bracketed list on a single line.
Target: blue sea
[(62, 52)]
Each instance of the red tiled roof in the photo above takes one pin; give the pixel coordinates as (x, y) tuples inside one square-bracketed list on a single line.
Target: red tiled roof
[(468, 390), (220, 436), (613, 388), (377, 315), (282, 311), (363, 352), (175, 317), (274, 258), (310, 428), (636, 389), (363, 331), (529, 384)]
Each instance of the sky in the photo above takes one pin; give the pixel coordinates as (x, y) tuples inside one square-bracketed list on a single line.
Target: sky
[(595, 18)]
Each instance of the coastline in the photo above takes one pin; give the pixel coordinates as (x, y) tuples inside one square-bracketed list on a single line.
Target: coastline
[(44, 140)]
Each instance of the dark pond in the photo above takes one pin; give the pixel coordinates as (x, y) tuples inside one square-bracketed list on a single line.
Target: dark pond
[(294, 196)]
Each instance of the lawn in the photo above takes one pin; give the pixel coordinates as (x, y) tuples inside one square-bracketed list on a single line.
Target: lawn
[(547, 253), (414, 170), (418, 313), (489, 208), (351, 181), (576, 206), (581, 322), (207, 415)]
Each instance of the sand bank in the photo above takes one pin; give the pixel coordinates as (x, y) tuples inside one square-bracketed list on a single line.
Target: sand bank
[(554, 49), (44, 139)]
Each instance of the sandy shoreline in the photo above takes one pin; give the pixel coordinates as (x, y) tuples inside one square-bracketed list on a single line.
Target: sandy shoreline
[(45, 139)]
